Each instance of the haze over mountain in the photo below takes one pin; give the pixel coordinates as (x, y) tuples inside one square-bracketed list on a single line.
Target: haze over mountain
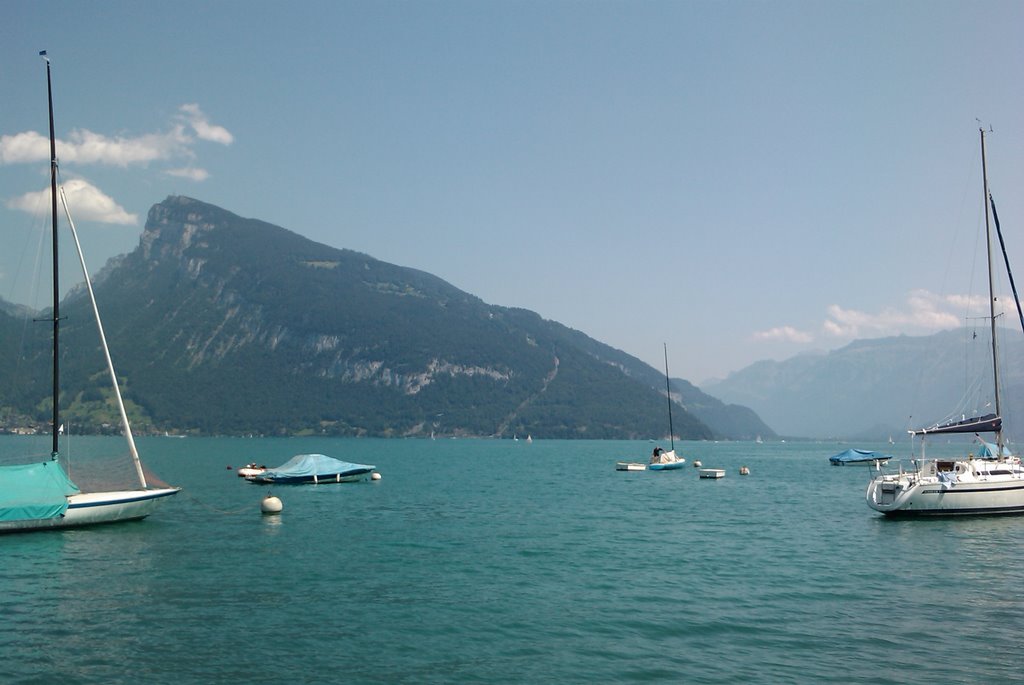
[(877, 388), (220, 324)]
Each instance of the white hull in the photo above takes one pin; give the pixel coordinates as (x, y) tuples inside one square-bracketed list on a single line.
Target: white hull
[(965, 487), (249, 473), (630, 466), (92, 508)]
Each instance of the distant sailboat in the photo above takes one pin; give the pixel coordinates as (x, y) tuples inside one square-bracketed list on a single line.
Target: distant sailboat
[(40, 495)]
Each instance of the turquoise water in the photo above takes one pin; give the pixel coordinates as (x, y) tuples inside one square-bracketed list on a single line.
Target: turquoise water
[(476, 561)]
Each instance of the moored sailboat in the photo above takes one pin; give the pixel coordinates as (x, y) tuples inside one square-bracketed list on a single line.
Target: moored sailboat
[(989, 482), (662, 460), (40, 495)]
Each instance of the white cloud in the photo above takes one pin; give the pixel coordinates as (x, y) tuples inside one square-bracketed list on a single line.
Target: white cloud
[(925, 312), (191, 173), (784, 334), (24, 147), (83, 147), (87, 203), (87, 147), (202, 127)]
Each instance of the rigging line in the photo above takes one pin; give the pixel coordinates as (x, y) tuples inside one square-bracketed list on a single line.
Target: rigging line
[(125, 425), (969, 304), (955, 232), (29, 266), (21, 357), (1006, 260)]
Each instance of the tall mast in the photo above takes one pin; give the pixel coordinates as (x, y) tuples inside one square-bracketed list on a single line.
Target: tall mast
[(991, 291), (668, 395), (56, 281)]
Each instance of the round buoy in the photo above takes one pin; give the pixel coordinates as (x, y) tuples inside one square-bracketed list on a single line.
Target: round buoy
[(697, 464), (375, 476), (271, 505)]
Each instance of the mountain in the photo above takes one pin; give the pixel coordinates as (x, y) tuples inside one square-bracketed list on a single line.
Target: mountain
[(872, 389), (220, 324)]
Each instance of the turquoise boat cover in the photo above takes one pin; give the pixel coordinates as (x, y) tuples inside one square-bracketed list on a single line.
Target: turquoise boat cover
[(854, 456), (309, 465), (990, 450), (34, 491)]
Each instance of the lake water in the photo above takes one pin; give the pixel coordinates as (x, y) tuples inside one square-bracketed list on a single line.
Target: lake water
[(485, 561)]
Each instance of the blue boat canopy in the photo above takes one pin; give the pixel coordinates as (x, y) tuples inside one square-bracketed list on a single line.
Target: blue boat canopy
[(34, 491), (309, 465), (991, 451), (852, 456)]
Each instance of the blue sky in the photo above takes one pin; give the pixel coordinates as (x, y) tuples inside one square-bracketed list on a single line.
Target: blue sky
[(741, 180)]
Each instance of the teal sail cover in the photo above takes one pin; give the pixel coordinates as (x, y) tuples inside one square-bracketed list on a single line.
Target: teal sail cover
[(34, 491)]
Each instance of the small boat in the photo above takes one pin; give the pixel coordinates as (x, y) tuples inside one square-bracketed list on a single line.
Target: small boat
[(667, 461), (630, 466), (251, 470), (313, 468), (991, 482), (660, 459), (855, 456), (40, 495), (712, 473), (744, 470)]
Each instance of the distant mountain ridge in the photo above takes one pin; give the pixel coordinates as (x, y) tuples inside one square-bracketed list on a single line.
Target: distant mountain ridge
[(220, 324), (876, 388)]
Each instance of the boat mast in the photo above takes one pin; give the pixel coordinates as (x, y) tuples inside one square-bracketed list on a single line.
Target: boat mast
[(668, 395), (991, 291), (56, 282)]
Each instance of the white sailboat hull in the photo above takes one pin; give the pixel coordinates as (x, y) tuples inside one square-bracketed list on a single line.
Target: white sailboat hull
[(965, 491), (94, 508)]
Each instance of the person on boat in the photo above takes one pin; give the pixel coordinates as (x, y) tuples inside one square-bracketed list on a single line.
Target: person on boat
[(656, 455)]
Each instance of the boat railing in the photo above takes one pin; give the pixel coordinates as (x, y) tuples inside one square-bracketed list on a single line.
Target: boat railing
[(895, 468)]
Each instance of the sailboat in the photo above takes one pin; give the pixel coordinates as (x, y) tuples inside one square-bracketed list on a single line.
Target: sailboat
[(991, 482), (662, 460), (40, 495)]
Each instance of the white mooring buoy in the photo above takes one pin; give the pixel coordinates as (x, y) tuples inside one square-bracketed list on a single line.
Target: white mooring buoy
[(271, 505), (375, 476)]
